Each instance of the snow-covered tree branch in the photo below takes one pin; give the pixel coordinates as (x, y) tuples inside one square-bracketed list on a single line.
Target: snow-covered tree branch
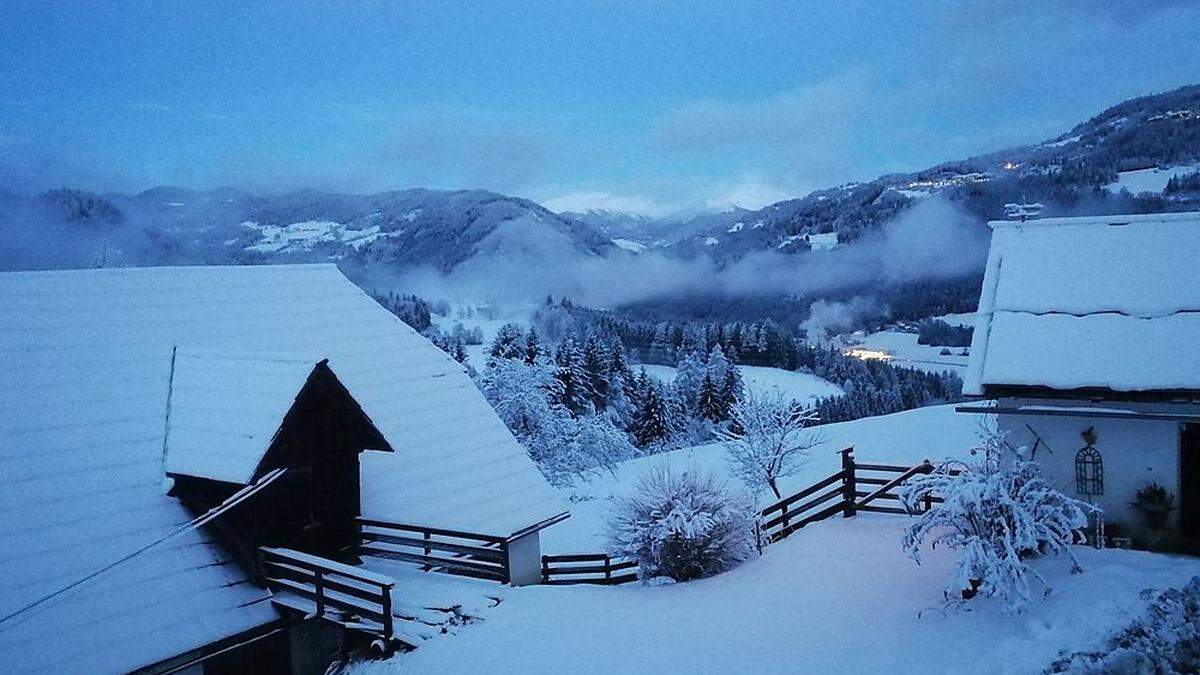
[(768, 439), (1000, 512)]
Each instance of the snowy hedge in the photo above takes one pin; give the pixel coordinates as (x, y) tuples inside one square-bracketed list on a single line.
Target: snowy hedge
[(1166, 639), (999, 511), (683, 525)]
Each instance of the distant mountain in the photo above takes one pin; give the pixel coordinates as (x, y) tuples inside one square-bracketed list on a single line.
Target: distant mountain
[(1118, 161), (403, 230)]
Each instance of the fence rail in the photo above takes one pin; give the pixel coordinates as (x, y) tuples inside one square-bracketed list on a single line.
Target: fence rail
[(351, 597), (588, 568), (468, 554), (841, 493)]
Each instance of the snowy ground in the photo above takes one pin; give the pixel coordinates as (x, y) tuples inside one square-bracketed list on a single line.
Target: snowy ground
[(906, 353), (908, 437), (801, 387), (837, 597), (1149, 180)]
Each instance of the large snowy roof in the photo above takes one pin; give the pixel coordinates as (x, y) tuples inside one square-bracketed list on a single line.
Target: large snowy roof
[(83, 412), (1099, 303)]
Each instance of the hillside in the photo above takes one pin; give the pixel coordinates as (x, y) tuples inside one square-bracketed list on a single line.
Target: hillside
[(402, 230), (1080, 172)]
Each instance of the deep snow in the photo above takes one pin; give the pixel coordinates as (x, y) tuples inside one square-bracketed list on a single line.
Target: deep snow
[(837, 597)]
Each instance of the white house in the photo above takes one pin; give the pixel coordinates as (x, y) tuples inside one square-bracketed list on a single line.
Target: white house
[(1088, 342), (134, 400)]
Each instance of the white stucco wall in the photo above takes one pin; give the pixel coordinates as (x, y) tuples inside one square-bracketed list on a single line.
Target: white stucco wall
[(525, 560), (1134, 452)]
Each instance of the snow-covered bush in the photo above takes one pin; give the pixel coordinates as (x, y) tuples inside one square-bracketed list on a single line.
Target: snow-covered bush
[(1165, 639), (767, 439), (998, 511), (683, 525)]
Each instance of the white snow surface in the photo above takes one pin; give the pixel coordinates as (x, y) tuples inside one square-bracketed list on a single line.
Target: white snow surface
[(238, 400), (305, 235), (82, 420), (1110, 302), (1149, 180), (906, 353), (839, 596), (909, 437), (630, 245), (803, 387)]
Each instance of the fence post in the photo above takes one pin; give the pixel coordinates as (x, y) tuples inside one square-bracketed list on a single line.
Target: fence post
[(849, 484), (386, 601), (319, 591), (428, 551), (607, 568), (545, 570)]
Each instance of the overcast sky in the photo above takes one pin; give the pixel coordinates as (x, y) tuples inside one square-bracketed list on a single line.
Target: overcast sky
[(644, 106)]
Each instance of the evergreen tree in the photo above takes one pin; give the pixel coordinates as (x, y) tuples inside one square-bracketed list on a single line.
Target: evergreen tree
[(533, 348), (731, 390), (652, 424), (710, 404), (508, 343), (688, 375), (576, 394), (595, 369)]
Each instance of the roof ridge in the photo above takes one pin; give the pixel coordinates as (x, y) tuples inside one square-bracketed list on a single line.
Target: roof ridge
[(158, 269)]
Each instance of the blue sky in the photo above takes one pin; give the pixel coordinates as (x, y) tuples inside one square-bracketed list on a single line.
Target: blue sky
[(648, 106)]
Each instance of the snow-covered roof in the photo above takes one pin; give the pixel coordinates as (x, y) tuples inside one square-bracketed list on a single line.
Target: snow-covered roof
[(83, 452), (225, 409), (1106, 303)]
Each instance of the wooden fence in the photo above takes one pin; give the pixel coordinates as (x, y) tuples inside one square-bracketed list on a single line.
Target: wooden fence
[(348, 596), (468, 554), (856, 487), (588, 568)]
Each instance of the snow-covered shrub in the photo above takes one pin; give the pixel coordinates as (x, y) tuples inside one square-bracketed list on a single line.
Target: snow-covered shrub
[(767, 439), (1165, 639), (682, 525), (999, 511)]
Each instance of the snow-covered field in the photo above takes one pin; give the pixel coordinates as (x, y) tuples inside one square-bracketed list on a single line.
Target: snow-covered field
[(906, 353), (801, 387), (1149, 180), (837, 597), (908, 437)]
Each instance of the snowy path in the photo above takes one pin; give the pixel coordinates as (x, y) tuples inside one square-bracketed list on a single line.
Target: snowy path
[(838, 597)]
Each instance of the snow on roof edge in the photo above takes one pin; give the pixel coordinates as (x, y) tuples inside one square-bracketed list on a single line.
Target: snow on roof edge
[(1114, 220)]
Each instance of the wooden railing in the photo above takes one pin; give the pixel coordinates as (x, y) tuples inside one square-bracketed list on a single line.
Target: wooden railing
[(469, 554), (786, 516), (346, 595), (588, 568), (842, 493)]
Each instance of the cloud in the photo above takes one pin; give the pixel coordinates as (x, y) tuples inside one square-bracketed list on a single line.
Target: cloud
[(932, 240)]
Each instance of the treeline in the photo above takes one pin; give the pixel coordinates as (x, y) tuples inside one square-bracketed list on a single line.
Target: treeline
[(938, 333), (871, 387), (418, 314), (1188, 183)]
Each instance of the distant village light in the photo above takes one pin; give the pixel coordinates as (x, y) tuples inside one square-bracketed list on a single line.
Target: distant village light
[(865, 354)]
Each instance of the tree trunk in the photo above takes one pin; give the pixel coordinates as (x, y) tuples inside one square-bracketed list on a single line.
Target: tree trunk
[(771, 483)]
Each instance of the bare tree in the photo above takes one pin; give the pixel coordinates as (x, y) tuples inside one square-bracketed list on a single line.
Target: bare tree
[(768, 439)]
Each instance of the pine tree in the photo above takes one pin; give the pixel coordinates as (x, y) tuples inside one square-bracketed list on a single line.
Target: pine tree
[(533, 347), (618, 366), (731, 390), (652, 420), (688, 375), (576, 394), (595, 369), (710, 404), (507, 344)]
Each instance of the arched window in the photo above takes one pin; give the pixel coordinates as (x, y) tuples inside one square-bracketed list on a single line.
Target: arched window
[(1089, 471)]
